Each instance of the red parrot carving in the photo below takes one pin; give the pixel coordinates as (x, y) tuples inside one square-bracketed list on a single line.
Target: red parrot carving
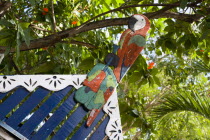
[(131, 44)]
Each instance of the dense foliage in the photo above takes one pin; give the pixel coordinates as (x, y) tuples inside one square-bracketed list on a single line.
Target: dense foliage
[(165, 95)]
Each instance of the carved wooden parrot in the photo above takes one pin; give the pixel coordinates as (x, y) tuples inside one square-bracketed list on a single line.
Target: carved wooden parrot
[(101, 80), (131, 44)]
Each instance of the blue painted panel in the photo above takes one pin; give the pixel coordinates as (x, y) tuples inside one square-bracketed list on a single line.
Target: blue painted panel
[(55, 119), (84, 131), (99, 134), (70, 124), (42, 112), (12, 101), (27, 107), (2, 95)]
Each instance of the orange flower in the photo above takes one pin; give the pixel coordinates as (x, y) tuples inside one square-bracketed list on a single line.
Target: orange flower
[(45, 9), (35, 21), (45, 48), (201, 50), (43, 13), (74, 22), (151, 65)]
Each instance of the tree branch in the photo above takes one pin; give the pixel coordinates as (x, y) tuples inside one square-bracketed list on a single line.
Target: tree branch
[(4, 6), (167, 7), (179, 16), (55, 38)]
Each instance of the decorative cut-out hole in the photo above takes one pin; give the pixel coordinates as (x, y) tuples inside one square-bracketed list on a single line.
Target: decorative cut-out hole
[(55, 80), (6, 81)]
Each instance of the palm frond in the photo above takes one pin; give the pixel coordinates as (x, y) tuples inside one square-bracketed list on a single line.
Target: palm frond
[(201, 66), (183, 102)]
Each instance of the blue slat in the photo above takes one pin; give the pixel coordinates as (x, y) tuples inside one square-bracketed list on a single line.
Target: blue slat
[(55, 119), (2, 95), (70, 124), (12, 101), (27, 107), (42, 112), (100, 132), (84, 131)]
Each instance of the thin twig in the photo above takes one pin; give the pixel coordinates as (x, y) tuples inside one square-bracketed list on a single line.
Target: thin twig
[(38, 28), (155, 102), (53, 17), (80, 43), (14, 65), (136, 136)]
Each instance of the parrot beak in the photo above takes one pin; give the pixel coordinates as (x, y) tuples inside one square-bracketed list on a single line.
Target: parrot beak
[(131, 22)]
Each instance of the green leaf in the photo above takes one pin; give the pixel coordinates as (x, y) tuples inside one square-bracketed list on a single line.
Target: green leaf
[(154, 71), (151, 81), (4, 41), (43, 68), (5, 23), (142, 61), (135, 113), (87, 64), (157, 81), (182, 39), (106, 4), (5, 33), (169, 29), (158, 52), (33, 2), (183, 4), (135, 77), (179, 51), (24, 25), (193, 40), (143, 82), (27, 36), (187, 44), (25, 32), (205, 34), (170, 22), (170, 45)]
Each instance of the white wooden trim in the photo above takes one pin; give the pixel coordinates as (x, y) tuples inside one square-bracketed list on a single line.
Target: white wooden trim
[(50, 82), (114, 128)]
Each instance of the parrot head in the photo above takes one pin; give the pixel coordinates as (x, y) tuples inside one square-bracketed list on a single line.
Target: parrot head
[(139, 24)]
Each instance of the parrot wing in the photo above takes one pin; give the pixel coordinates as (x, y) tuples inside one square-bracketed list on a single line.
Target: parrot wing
[(138, 40)]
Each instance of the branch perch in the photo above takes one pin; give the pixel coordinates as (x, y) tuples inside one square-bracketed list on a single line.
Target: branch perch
[(55, 38)]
